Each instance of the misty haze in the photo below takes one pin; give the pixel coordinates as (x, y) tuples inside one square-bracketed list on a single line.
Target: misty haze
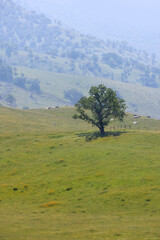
[(53, 51), (134, 21), (79, 120)]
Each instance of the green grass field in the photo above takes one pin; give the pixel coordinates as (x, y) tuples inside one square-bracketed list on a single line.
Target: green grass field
[(56, 184)]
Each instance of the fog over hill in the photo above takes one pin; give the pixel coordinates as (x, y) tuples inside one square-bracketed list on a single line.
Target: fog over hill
[(43, 62), (135, 21)]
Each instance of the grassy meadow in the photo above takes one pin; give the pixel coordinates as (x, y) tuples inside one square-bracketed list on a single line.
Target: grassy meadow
[(59, 181)]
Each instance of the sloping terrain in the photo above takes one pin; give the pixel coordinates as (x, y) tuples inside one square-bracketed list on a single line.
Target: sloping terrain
[(24, 34), (32, 46), (66, 89), (105, 18), (56, 185)]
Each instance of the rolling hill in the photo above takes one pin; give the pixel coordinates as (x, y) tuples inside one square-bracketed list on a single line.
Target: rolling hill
[(55, 184), (34, 46)]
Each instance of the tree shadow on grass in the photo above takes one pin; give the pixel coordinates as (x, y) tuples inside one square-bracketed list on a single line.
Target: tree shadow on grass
[(94, 135)]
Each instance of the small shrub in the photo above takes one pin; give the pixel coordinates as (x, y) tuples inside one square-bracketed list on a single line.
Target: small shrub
[(68, 189), (25, 108), (72, 95), (10, 99)]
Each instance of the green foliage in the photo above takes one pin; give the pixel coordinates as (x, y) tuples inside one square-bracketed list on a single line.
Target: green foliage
[(34, 86), (72, 95), (149, 80), (10, 99), (75, 55), (103, 104), (5, 72), (25, 108), (112, 59), (20, 82)]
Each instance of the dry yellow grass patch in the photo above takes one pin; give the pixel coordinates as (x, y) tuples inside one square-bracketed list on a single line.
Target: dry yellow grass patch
[(99, 174), (50, 204), (51, 192), (5, 185), (12, 173)]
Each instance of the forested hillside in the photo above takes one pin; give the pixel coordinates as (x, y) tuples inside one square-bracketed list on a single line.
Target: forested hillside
[(32, 41)]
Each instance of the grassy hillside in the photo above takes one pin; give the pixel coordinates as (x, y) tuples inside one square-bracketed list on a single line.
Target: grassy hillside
[(66, 89), (56, 185), (39, 121)]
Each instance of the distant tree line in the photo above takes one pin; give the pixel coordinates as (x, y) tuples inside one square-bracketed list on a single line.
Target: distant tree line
[(7, 75)]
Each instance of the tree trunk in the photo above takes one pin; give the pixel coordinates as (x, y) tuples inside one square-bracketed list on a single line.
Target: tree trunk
[(102, 130)]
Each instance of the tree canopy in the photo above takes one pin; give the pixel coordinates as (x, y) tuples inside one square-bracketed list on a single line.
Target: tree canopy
[(101, 105)]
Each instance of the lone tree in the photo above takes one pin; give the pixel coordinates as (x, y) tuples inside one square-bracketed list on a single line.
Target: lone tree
[(102, 105)]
